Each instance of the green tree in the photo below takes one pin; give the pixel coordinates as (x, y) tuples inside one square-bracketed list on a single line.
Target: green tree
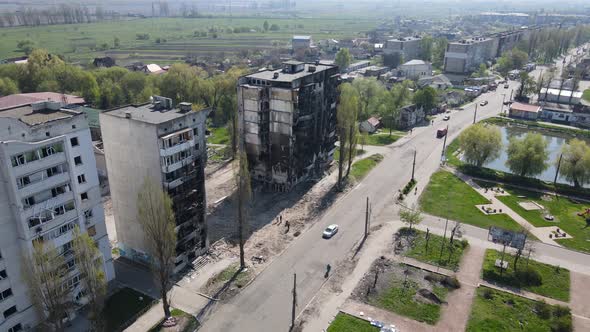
[(347, 112), (438, 52), (7, 86), (368, 90), (410, 216), (274, 27), (26, 46), (426, 46), (90, 265), (45, 273), (265, 26), (480, 144), (575, 164), (527, 156), (116, 42), (392, 60), (527, 86), (482, 71), (156, 216), (343, 59), (425, 98)]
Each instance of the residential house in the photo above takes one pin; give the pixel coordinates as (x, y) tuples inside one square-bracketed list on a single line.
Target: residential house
[(439, 82), (524, 111), (371, 125), (415, 69), (410, 116)]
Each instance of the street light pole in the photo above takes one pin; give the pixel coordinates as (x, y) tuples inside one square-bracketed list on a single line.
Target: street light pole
[(475, 114), (414, 164), (511, 91), (502, 106), (444, 144)]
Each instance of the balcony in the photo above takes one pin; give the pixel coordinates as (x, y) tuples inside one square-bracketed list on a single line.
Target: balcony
[(177, 148), (178, 165), (39, 164), (44, 183), (48, 204)]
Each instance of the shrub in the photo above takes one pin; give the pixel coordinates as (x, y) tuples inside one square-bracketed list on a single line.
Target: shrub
[(563, 324), (543, 310), (451, 282), (561, 311), (488, 294), (434, 277), (529, 277)]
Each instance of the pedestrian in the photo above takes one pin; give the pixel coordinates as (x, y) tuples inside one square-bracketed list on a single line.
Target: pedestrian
[(416, 191)]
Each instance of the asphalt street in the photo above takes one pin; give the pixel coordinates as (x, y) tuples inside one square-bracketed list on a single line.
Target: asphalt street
[(265, 305)]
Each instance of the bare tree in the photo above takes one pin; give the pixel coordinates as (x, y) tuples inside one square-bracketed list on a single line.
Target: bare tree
[(45, 274), (530, 249), (90, 264), (244, 195), (156, 216), (456, 231)]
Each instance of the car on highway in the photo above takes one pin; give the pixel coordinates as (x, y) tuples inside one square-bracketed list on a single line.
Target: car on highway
[(446, 117), (506, 86), (483, 103), (330, 231)]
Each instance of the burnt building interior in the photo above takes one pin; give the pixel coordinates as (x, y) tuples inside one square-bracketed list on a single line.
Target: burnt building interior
[(288, 122)]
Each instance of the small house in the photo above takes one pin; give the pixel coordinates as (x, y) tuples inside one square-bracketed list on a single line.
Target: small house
[(524, 111), (371, 125)]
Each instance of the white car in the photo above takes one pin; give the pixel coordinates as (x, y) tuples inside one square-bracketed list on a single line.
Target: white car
[(483, 103), (447, 117), (330, 231)]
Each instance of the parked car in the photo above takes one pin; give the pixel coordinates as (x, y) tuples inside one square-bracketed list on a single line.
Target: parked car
[(483, 103), (508, 102), (506, 86), (330, 231), (446, 117)]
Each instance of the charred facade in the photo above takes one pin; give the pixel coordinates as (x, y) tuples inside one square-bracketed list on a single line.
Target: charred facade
[(287, 120)]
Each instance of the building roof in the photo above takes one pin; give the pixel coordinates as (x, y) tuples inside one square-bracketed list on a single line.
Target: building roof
[(566, 93), (373, 121), (525, 107), (404, 39), (286, 77), (302, 37), (415, 62), (28, 98), (146, 113), (37, 113)]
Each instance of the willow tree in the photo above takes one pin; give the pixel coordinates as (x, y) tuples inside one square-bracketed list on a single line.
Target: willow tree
[(527, 156), (90, 264), (480, 144), (244, 193), (575, 165), (46, 274), (156, 217)]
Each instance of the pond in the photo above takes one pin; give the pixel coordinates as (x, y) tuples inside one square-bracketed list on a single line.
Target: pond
[(555, 142)]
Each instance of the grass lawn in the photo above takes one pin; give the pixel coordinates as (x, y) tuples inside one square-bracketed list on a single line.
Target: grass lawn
[(448, 196), (554, 282), (449, 259), (122, 306), (400, 299), (362, 167), (240, 281), (586, 95), (381, 139), (563, 209), (219, 135), (348, 323), (186, 323), (359, 152), (494, 310)]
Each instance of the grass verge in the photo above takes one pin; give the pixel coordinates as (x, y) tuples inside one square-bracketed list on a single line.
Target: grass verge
[(186, 323), (449, 257), (347, 323), (543, 279), (586, 95), (123, 306), (362, 167), (381, 139), (219, 135), (494, 310), (447, 196)]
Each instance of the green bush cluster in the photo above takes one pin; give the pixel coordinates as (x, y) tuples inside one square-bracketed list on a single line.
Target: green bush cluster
[(409, 186)]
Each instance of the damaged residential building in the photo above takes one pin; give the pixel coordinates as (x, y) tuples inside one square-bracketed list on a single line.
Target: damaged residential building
[(287, 121), (166, 144)]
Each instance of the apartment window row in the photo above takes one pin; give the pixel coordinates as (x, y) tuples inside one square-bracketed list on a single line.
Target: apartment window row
[(45, 195), (17, 328), (40, 176), (66, 249), (50, 214), (81, 179), (30, 156), (73, 282), (178, 139), (3, 274), (63, 229), (5, 294), (9, 312), (177, 157)]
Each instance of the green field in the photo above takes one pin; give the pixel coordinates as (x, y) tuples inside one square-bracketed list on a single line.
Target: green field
[(493, 310), (451, 254), (554, 281), (564, 210), (448, 196), (362, 167), (586, 95), (348, 323), (79, 42)]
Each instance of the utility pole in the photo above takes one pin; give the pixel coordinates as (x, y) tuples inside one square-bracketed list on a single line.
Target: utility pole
[(557, 170), (367, 219), (442, 245), (475, 114), (444, 144), (502, 106), (294, 305), (414, 164), (511, 91)]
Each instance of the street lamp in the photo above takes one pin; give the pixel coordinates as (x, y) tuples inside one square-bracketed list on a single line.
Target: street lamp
[(502, 106)]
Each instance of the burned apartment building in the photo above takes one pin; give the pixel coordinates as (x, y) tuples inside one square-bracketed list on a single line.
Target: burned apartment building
[(287, 120), (168, 145)]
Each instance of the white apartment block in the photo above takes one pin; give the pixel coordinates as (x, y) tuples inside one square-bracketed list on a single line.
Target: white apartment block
[(168, 145), (49, 185)]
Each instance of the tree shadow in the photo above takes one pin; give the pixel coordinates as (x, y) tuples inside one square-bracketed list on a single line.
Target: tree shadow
[(211, 303)]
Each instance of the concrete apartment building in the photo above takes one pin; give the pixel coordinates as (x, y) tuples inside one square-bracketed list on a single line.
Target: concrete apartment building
[(166, 144), (49, 186), (415, 69), (466, 55), (287, 119), (409, 47)]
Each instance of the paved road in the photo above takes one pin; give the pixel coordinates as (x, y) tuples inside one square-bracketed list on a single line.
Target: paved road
[(265, 305)]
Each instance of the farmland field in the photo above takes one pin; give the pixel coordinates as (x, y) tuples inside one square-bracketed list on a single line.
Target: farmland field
[(178, 37)]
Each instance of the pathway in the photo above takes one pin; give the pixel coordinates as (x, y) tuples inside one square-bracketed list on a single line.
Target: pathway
[(579, 297), (541, 233)]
